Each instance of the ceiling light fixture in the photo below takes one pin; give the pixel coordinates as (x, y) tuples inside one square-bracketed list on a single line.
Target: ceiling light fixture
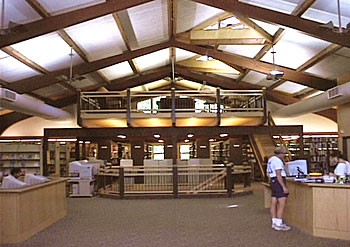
[(274, 74), (204, 58)]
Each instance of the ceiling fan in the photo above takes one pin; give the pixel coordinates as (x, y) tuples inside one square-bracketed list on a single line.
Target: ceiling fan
[(71, 77)]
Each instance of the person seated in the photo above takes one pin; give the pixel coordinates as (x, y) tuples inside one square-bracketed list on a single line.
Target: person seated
[(16, 172), (338, 165)]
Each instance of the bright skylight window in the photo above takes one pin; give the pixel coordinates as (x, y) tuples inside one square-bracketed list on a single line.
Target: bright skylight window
[(49, 51), (100, 37), (13, 70), (153, 60), (119, 70), (290, 87)]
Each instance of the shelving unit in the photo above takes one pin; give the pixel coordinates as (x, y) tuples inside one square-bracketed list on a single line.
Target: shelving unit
[(248, 159), (220, 151), (318, 148), (23, 154), (58, 157)]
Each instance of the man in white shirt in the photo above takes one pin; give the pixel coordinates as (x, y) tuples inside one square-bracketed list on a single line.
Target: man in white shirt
[(342, 166), (279, 191)]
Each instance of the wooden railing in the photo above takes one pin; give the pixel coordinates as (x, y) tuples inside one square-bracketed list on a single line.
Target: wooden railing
[(173, 181)]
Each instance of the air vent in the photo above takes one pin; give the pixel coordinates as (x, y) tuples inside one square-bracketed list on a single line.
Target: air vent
[(7, 94), (333, 93)]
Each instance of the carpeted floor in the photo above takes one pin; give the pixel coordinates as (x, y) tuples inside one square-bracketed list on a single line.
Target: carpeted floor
[(218, 222)]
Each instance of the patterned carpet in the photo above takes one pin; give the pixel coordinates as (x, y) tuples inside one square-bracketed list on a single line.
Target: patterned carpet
[(203, 222)]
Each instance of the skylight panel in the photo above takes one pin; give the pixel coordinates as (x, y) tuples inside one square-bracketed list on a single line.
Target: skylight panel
[(183, 54), (100, 37), (294, 49), (242, 50), (290, 87), (276, 5), (49, 51), (191, 14), (13, 70), (324, 11), (155, 14), (18, 11), (153, 60), (116, 71), (58, 7)]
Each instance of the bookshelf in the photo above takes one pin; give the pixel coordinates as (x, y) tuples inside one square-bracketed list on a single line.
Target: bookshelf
[(59, 154), (318, 148), (220, 151), (25, 154)]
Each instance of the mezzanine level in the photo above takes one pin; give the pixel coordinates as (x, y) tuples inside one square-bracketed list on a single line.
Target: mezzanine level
[(172, 108)]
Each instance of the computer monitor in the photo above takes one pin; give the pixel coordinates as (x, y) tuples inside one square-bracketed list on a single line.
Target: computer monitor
[(31, 179), (10, 182), (297, 167)]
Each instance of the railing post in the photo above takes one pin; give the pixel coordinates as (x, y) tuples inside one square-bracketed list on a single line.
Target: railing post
[(173, 107), (264, 105), (218, 103), (79, 106), (121, 183), (229, 180), (175, 182), (128, 107), (175, 168)]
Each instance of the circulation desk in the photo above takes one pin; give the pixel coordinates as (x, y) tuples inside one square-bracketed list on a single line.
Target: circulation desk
[(28, 210), (320, 209)]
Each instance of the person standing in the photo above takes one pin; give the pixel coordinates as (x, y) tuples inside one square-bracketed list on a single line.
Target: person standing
[(279, 190)]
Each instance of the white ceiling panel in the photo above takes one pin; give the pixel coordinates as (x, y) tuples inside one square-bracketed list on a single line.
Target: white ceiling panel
[(332, 66), (150, 23), (277, 5), (17, 11), (183, 54), (191, 14), (270, 28), (13, 70), (153, 60), (257, 78), (49, 51), (290, 87), (325, 10), (117, 71), (99, 38), (58, 7), (294, 49), (228, 75), (242, 50)]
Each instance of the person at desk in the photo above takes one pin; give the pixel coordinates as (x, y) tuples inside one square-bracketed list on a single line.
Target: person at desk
[(338, 165), (16, 172), (279, 191)]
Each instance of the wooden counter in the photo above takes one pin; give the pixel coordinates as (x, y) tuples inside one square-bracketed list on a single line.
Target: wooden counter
[(28, 210), (320, 209)]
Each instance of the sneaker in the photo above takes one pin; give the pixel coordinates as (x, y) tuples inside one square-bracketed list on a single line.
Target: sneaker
[(282, 227)]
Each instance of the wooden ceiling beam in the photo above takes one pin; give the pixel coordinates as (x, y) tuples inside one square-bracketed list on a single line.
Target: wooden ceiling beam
[(61, 21), (33, 83), (262, 67), (134, 81), (307, 26), (64, 35), (302, 7)]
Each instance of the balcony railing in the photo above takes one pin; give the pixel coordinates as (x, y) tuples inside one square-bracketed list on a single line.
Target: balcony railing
[(174, 181), (172, 104)]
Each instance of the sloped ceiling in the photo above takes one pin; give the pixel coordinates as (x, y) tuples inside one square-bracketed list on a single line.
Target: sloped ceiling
[(52, 49)]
